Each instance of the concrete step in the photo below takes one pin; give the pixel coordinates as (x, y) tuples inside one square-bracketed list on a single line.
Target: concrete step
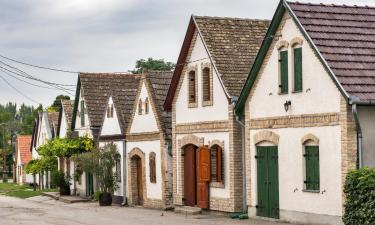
[(73, 199), (54, 195), (188, 210)]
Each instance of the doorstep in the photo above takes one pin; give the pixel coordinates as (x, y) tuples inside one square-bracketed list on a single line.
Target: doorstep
[(65, 198), (188, 210)]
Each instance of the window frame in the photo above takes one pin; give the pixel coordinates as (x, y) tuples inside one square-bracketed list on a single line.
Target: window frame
[(140, 107), (209, 82), (188, 74)]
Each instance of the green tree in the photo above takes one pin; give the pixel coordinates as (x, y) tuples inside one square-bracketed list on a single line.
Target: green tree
[(142, 65), (55, 107)]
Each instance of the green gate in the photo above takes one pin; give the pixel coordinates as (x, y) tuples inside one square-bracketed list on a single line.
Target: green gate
[(268, 181), (89, 184)]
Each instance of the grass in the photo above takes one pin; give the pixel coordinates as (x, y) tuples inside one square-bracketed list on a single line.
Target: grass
[(20, 191)]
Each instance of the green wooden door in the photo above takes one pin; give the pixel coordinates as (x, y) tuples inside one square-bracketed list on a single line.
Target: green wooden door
[(267, 181), (89, 184)]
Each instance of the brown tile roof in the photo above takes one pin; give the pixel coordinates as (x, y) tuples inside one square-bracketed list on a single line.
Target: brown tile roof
[(160, 82), (345, 36), (67, 105), (23, 146), (233, 44), (97, 87)]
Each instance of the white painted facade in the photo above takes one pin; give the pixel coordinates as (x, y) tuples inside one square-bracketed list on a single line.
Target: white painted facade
[(319, 95), (63, 124), (219, 109), (111, 125), (82, 130)]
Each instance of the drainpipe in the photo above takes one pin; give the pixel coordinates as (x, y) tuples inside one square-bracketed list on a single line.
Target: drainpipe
[(124, 176), (354, 102), (242, 124)]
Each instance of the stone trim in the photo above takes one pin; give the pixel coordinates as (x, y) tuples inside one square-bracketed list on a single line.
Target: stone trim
[(195, 69), (304, 120), (202, 127), (149, 136), (203, 66), (296, 42), (310, 138), (282, 44), (266, 135), (216, 142), (190, 139)]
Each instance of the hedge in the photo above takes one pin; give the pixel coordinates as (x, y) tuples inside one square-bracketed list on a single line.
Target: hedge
[(360, 197)]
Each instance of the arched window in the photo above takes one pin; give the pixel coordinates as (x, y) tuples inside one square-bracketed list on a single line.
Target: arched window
[(206, 83), (146, 105), (312, 171), (140, 107), (110, 111), (217, 165), (152, 164), (191, 87)]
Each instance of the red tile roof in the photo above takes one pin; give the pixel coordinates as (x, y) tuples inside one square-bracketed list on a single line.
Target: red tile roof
[(345, 36), (23, 145)]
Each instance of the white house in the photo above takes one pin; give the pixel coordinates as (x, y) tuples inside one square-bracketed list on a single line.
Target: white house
[(214, 61), (23, 156), (309, 93), (148, 144)]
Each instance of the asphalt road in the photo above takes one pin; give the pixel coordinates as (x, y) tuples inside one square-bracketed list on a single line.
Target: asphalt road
[(45, 211)]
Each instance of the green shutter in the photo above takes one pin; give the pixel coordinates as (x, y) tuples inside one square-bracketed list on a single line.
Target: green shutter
[(283, 71), (82, 113), (297, 52), (312, 168)]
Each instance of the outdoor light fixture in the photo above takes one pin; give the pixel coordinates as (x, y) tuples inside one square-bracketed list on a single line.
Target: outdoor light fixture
[(287, 104)]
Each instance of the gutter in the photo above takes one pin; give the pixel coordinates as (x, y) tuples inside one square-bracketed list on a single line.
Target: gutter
[(354, 101), (124, 176), (234, 100)]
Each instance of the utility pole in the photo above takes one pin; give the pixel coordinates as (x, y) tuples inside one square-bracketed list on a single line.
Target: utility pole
[(4, 154)]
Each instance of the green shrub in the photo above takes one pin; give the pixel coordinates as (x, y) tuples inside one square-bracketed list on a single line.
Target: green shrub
[(360, 197), (97, 195), (60, 180)]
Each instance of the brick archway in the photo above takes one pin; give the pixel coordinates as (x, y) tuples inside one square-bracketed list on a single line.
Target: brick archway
[(137, 177)]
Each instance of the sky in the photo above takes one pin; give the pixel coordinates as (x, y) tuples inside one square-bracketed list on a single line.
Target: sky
[(103, 35)]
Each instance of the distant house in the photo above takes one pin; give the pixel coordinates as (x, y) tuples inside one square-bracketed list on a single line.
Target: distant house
[(149, 144), (308, 108), (23, 156), (214, 61)]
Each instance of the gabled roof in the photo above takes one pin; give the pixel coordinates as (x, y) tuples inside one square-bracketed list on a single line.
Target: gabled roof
[(97, 87), (232, 44), (23, 146), (67, 108), (341, 37), (53, 121), (35, 131), (160, 82)]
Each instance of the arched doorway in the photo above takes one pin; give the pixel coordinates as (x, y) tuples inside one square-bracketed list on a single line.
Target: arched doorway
[(190, 184), (137, 180)]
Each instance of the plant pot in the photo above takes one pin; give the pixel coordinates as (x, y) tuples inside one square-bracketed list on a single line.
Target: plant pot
[(64, 190), (105, 199)]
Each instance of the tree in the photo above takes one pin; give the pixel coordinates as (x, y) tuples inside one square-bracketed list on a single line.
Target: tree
[(55, 107), (142, 65)]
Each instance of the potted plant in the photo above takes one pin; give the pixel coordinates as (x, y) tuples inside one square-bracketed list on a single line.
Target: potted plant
[(62, 181), (100, 162)]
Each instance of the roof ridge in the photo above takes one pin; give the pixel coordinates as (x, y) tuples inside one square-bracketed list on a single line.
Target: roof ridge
[(332, 5), (231, 18)]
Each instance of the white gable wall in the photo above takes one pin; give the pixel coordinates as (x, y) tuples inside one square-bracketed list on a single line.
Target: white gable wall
[(82, 130), (219, 109), (145, 122), (63, 125), (111, 126)]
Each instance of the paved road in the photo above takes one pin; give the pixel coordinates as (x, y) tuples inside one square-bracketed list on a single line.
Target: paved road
[(43, 210)]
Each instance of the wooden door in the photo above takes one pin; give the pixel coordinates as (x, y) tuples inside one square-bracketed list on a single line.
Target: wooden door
[(139, 181), (267, 181), (203, 176), (189, 176), (89, 184)]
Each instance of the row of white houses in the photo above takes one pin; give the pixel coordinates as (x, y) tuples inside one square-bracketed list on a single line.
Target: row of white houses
[(260, 116)]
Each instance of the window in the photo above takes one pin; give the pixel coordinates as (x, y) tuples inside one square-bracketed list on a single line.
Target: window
[(297, 55), (152, 164), (191, 88), (146, 105), (82, 113), (206, 83), (217, 164), (283, 68), (110, 111), (140, 107), (118, 170), (312, 180)]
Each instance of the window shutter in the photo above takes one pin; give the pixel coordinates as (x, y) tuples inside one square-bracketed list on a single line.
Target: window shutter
[(192, 95), (219, 162), (283, 71), (312, 168), (82, 113), (152, 166), (315, 152), (206, 77), (297, 69)]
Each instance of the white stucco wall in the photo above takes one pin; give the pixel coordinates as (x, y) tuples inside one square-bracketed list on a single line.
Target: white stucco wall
[(367, 121), (219, 109), (82, 130), (291, 171), (111, 126), (63, 125), (221, 136), (319, 95), (154, 190), (145, 122)]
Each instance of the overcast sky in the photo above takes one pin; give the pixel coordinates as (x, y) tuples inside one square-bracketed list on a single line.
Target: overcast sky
[(104, 35)]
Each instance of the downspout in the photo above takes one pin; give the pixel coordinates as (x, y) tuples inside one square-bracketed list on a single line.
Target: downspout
[(242, 124), (124, 176)]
